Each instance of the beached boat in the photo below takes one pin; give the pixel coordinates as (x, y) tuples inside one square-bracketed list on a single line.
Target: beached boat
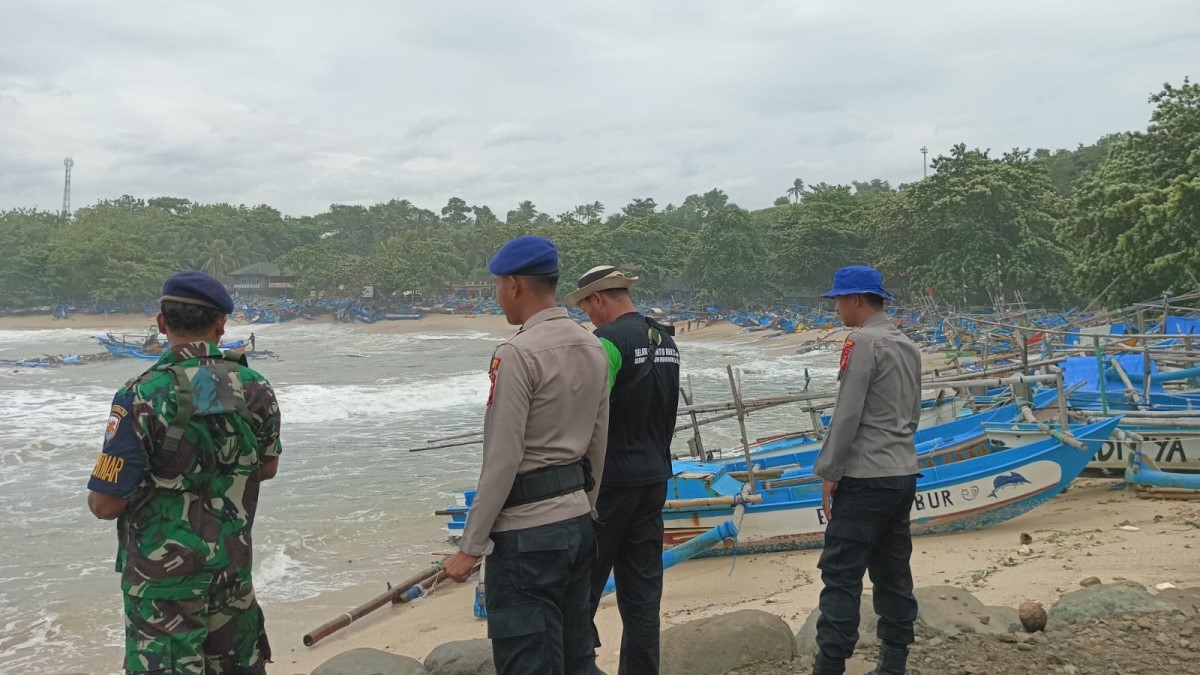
[(1175, 447), (954, 497), (802, 448)]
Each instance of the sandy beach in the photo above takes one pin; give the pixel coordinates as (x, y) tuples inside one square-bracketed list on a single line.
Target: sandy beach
[(1077, 535)]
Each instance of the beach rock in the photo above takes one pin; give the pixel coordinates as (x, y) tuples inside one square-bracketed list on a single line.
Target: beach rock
[(1032, 616), (1090, 581), (366, 661), (461, 657), (1186, 600), (950, 610), (806, 638), (1101, 602), (719, 644)]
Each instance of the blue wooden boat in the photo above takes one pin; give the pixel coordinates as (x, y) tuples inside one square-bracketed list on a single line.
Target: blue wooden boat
[(120, 348), (954, 497), (1094, 379), (802, 449), (961, 439), (1173, 446)]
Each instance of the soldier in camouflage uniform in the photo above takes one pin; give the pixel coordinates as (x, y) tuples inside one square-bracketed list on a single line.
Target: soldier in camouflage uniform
[(187, 446)]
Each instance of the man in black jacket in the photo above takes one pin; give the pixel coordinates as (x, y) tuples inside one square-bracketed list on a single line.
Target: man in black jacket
[(643, 402)]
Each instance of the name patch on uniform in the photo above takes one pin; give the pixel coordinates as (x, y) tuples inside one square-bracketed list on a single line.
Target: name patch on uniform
[(108, 468), (114, 422), (846, 348), (492, 376)]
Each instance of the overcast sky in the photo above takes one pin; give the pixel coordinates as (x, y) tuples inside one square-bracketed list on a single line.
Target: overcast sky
[(301, 103)]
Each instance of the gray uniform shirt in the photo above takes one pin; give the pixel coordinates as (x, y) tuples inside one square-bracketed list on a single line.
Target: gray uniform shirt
[(878, 406), (548, 406)]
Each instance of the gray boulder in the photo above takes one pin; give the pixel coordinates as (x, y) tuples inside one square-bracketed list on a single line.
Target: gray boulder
[(950, 610), (1101, 602), (366, 661), (720, 644), (462, 657), (806, 639)]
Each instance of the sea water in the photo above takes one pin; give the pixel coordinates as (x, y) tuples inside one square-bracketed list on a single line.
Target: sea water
[(351, 507)]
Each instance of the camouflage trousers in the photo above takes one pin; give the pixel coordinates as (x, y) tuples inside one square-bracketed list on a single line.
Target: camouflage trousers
[(220, 634)]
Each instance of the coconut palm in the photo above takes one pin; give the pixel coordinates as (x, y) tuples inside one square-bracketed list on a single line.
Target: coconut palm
[(796, 190)]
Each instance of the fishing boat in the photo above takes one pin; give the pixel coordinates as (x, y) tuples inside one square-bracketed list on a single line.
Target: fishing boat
[(1117, 383), (953, 497), (149, 348), (1175, 444), (802, 448)]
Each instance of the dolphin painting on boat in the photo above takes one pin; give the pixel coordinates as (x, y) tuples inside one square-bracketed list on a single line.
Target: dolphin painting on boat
[(1005, 480)]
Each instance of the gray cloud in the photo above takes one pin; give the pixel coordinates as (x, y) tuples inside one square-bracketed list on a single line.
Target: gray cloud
[(305, 104)]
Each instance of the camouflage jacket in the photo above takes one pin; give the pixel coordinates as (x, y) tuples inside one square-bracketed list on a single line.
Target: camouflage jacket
[(184, 443)]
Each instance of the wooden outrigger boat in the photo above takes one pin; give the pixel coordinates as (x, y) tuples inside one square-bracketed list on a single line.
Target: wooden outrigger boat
[(149, 348), (953, 497), (957, 492)]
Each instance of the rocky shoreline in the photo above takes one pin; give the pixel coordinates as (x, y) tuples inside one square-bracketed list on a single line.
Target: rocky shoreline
[(1120, 628)]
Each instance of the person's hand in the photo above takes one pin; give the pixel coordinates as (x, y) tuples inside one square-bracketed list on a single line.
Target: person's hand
[(459, 566), (827, 490)]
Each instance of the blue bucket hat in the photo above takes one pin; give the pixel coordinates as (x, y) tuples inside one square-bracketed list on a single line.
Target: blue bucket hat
[(857, 279)]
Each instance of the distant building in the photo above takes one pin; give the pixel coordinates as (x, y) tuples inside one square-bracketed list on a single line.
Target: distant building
[(473, 288), (262, 278)]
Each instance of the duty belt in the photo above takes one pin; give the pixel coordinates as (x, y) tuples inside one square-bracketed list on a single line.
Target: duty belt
[(550, 481)]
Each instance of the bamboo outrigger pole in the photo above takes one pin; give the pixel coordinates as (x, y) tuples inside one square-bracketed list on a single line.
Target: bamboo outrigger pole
[(326, 629), (741, 415)]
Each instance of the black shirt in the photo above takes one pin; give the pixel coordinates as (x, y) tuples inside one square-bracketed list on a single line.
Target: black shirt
[(643, 402)]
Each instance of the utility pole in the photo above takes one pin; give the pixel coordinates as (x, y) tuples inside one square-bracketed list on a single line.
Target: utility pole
[(924, 162), (66, 207)]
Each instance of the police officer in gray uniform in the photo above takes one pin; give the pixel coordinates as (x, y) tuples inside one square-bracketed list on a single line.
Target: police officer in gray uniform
[(544, 438), (869, 466)]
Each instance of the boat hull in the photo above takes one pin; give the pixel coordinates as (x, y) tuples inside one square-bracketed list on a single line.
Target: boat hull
[(967, 495), (1170, 448)]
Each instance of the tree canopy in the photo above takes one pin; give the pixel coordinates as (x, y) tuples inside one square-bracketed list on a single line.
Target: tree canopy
[(1118, 219)]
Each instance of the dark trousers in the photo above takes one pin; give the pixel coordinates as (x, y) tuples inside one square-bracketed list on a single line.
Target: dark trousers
[(537, 599), (869, 532), (631, 546)]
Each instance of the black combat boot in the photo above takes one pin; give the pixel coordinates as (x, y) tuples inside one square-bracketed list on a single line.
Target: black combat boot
[(827, 665), (892, 658)]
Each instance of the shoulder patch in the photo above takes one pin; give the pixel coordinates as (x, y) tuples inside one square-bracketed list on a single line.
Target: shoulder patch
[(114, 421), (847, 347), (492, 376)]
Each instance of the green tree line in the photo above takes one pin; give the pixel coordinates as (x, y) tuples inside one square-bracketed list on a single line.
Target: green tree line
[(1117, 220)]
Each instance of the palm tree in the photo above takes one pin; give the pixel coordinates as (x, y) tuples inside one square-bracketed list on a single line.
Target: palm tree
[(796, 190), (216, 257)]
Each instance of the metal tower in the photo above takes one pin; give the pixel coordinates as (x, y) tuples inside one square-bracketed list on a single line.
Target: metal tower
[(66, 209)]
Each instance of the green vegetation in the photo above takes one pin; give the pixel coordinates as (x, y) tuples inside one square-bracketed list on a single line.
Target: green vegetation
[(1119, 219)]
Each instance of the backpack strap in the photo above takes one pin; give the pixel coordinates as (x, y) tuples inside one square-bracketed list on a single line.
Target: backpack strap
[(185, 399)]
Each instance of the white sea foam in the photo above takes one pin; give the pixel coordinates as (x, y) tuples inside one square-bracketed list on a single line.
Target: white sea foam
[(279, 577), (306, 404)]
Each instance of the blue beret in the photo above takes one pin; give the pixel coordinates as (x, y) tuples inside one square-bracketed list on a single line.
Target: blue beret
[(525, 256), (197, 288)]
